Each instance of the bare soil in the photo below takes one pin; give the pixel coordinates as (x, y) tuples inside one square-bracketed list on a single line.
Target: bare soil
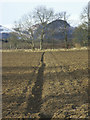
[(46, 84)]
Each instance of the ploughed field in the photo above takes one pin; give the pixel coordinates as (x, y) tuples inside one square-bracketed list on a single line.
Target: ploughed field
[(47, 84)]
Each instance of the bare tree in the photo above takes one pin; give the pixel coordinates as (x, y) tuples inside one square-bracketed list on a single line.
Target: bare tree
[(64, 16), (85, 20), (89, 23), (82, 32), (84, 15), (80, 36), (89, 11), (42, 15), (24, 27), (59, 16)]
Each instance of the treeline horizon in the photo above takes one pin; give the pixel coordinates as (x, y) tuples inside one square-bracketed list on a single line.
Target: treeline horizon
[(35, 23)]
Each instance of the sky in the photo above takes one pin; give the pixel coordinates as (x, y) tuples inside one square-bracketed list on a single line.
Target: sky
[(13, 10)]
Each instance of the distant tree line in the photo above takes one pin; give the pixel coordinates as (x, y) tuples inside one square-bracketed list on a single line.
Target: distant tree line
[(41, 15), (81, 32)]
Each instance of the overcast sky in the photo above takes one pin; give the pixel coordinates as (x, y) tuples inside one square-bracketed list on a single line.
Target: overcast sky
[(13, 10)]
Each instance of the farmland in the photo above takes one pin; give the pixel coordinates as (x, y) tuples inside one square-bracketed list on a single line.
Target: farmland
[(45, 84)]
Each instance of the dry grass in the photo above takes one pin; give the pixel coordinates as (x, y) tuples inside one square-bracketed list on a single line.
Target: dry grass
[(38, 50)]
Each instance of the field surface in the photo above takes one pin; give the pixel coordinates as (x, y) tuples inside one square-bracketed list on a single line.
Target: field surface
[(45, 84)]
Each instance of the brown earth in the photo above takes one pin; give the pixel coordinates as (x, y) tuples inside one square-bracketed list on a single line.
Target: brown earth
[(45, 84)]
